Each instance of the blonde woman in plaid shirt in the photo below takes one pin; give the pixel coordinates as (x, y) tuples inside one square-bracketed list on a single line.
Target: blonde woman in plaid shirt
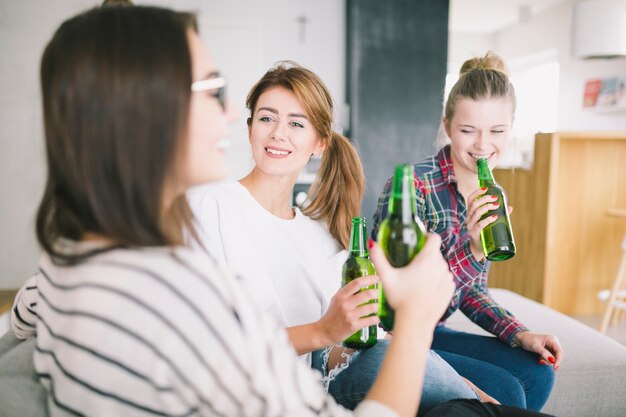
[(477, 119)]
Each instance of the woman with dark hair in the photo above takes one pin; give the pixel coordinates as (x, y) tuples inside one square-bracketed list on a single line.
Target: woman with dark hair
[(129, 321)]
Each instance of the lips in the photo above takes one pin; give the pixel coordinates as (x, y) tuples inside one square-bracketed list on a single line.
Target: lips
[(478, 156), (277, 152)]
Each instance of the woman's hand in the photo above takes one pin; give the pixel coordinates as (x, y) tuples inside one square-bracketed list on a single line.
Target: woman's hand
[(546, 346), (478, 205), (423, 288), (348, 312)]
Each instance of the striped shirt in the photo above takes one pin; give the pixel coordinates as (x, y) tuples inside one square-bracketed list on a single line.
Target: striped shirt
[(442, 209), (162, 332)]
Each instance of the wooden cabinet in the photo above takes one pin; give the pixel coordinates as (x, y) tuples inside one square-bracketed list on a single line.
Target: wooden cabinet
[(568, 247)]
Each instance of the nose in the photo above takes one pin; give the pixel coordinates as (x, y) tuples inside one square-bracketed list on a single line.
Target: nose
[(231, 112), (278, 134), (482, 140)]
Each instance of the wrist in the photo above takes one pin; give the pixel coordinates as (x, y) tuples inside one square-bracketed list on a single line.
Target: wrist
[(321, 336), (477, 252), (413, 321)]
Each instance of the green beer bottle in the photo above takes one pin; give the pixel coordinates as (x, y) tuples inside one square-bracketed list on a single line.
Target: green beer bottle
[(497, 237), (401, 235), (359, 265)]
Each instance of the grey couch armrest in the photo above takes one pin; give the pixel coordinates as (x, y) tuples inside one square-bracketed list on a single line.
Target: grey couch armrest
[(21, 394)]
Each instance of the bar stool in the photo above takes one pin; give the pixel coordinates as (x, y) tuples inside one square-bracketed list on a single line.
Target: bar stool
[(616, 297)]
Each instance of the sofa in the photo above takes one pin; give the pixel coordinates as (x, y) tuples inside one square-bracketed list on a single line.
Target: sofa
[(591, 382)]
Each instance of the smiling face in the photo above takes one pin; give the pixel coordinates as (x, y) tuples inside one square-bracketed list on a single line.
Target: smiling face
[(208, 122), (282, 136), (478, 129)]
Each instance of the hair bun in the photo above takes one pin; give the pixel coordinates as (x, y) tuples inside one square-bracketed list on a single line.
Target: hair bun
[(490, 61)]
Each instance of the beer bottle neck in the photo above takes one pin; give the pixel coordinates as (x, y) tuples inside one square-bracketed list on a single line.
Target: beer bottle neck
[(485, 177), (402, 201), (358, 238)]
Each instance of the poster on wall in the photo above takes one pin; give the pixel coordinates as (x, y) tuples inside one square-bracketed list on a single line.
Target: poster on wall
[(605, 94)]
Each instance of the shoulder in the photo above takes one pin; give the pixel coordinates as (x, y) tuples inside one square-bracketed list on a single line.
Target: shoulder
[(316, 232), (427, 166), (212, 192)]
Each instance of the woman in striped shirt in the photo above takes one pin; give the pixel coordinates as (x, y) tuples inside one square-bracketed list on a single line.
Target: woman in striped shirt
[(130, 322)]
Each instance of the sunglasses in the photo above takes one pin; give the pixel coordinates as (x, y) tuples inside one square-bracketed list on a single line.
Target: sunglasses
[(218, 84)]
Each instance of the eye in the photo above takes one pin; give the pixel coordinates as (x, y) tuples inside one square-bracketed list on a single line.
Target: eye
[(297, 124), (466, 131), (497, 131), (265, 119)]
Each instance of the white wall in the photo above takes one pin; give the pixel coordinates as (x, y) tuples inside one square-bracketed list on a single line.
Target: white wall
[(550, 29), (246, 38)]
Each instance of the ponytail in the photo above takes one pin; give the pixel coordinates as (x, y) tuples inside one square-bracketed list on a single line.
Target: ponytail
[(337, 192)]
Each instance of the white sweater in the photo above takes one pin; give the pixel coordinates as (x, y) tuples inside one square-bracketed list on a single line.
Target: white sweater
[(291, 267), (143, 332)]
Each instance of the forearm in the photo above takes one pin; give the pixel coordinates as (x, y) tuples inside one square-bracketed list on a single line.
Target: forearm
[(483, 310), (399, 382), (308, 338)]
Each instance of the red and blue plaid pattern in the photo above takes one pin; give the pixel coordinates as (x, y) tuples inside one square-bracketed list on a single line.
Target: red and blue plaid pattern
[(442, 209)]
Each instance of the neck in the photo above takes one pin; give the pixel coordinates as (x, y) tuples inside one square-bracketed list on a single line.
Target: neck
[(272, 192)]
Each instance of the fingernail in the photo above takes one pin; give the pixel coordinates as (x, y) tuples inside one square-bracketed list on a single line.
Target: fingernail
[(370, 243), (496, 204), (494, 216), (551, 359), (483, 189), (556, 368), (542, 362)]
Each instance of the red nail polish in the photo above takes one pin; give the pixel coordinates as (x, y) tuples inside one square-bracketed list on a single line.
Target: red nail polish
[(494, 216), (496, 204), (370, 243), (551, 359), (542, 362), (556, 368), (483, 189)]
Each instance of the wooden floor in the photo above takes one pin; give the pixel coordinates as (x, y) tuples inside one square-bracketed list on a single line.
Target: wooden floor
[(6, 300)]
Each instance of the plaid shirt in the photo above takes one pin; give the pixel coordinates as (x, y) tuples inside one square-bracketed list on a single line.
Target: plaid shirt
[(442, 209)]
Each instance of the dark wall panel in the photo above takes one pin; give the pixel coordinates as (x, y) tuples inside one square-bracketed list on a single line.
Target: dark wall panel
[(396, 67)]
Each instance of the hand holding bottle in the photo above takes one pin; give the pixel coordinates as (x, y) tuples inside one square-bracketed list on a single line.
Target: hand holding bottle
[(348, 311), (479, 203), (423, 288)]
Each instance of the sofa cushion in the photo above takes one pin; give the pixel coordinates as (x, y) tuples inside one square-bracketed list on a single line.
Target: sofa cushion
[(21, 394), (592, 378)]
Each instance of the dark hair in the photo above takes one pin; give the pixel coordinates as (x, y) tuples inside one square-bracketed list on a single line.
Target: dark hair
[(116, 93), (481, 77), (337, 192), (122, 3)]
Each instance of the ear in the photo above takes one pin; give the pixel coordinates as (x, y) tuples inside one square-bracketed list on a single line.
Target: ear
[(319, 148), (249, 123), (446, 126)]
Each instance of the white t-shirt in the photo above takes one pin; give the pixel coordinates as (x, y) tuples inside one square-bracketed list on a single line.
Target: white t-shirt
[(291, 267), (162, 331)]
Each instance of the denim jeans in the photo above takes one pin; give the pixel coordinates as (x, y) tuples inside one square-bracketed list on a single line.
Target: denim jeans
[(350, 386), (512, 376)]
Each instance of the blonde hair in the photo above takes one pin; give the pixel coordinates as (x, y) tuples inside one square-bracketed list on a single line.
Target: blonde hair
[(481, 77), (337, 192)]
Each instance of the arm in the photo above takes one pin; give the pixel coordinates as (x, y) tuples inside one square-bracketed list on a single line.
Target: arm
[(23, 312), (419, 293), (483, 310)]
